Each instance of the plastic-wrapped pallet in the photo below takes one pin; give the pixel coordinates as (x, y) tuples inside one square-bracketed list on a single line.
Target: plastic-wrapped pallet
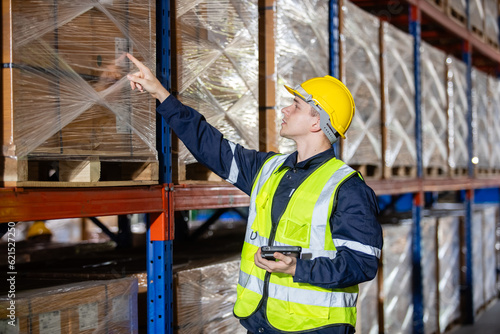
[(434, 111), (399, 83), (84, 308), (217, 55), (491, 22), (477, 260), (458, 129), (448, 236), (397, 287), (429, 273), (481, 124), (301, 49), (494, 109), (72, 116), (490, 217), (361, 74), (367, 307), (476, 16), (204, 299), (457, 9)]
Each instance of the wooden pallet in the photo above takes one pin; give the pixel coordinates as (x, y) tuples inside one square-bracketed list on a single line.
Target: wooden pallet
[(402, 172), (478, 31), (486, 172), (456, 16), (78, 172), (435, 172), (462, 172), (368, 171), (492, 42)]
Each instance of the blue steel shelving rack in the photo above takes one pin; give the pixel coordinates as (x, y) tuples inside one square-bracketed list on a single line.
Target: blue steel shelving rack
[(417, 285), (160, 231)]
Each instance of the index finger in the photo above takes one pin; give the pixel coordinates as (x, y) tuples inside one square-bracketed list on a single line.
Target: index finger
[(137, 63)]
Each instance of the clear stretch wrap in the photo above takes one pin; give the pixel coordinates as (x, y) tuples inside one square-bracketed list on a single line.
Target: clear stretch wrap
[(494, 110), (490, 218), (84, 308), (397, 286), (478, 269), (70, 96), (204, 299), (448, 236), (217, 66), (434, 108), (476, 15), (361, 74), (399, 83), (457, 114), (457, 8), (301, 50), (481, 123), (429, 273), (491, 21), (367, 307)]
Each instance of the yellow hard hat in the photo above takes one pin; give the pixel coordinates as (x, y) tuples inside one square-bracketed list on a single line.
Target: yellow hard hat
[(38, 228), (331, 98)]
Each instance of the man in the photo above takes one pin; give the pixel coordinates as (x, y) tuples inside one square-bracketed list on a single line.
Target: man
[(308, 199)]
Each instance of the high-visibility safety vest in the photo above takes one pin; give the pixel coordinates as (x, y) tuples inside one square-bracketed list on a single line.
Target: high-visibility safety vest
[(305, 222)]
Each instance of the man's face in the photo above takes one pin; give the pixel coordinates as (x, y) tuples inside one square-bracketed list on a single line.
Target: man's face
[(297, 119)]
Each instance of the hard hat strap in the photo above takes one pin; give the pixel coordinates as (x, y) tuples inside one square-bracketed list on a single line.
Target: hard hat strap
[(324, 118)]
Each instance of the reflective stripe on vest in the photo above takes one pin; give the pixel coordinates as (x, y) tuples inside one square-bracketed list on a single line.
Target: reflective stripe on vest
[(317, 298), (310, 305)]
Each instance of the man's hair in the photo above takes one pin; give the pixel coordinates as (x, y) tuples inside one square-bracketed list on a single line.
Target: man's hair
[(314, 112)]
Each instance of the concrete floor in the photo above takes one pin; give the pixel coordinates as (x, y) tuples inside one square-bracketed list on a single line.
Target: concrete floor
[(487, 322)]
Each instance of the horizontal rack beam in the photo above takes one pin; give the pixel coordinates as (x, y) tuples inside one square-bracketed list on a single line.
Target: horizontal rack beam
[(208, 196), (24, 204)]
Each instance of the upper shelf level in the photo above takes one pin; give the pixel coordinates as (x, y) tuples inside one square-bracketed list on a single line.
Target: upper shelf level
[(439, 28), (18, 204)]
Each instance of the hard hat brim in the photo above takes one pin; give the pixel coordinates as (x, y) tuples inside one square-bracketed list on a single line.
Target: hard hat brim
[(294, 92)]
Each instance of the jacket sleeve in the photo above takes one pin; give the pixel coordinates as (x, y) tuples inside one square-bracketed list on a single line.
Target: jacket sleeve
[(230, 161), (357, 236)]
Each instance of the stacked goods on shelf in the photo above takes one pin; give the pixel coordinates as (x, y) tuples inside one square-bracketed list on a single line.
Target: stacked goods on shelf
[(397, 281), (458, 158), (367, 307), (204, 298), (494, 109), (360, 71), (491, 22), (70, 118), (217, 71), (448, 267), (481, 123), (457, 10), (430, 285), (87, 307), (434, 111), (301, 50), (399, 103), (483, 255), (476, 17)]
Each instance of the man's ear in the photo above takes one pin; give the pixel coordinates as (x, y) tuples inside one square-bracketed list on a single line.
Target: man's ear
[(316, 126)]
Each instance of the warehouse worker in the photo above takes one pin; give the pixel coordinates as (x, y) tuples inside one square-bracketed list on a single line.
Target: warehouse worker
[(307, 198)]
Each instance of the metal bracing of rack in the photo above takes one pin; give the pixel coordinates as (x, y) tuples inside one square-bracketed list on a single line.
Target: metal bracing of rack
[(22, 204)]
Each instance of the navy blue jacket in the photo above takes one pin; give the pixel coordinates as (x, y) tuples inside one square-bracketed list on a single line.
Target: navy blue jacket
[(354, 219)]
